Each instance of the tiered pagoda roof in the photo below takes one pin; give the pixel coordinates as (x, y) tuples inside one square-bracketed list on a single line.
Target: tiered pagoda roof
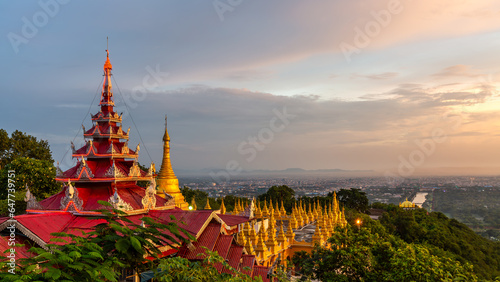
[(107, 168)]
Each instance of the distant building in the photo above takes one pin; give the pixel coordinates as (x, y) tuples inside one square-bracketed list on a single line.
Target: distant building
[(407, 205)]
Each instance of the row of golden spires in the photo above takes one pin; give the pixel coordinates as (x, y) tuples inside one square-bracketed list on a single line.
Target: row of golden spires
[(266, 243)]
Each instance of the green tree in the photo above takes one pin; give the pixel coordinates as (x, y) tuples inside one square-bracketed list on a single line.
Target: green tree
[(352, 199), (132, 243), (436, 229), (78, 260), (100, 254), (22, 145), (353, 255), (278, 194), (180, 269), (38, 175)]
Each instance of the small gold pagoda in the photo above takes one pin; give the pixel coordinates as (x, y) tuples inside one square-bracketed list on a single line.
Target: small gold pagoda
[(167, 181)]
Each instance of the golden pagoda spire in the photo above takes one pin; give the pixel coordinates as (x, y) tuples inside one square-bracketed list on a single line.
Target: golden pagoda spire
[(283, 211), (235, 207), (257, 212), (207, 206), (222, 207), (261, 248), (263, 230), (293, 221), (324, 226), (271, 243), (246, 229), (265, 212), (300, 220), (319, 218), (330, 224), (317, 237), (310, 214), (304, 213), (167, 181), (249, 247), (289, 233), (277, 210), (193, 204), (282, 237), (241, 240), (271, 208), (252, 235)]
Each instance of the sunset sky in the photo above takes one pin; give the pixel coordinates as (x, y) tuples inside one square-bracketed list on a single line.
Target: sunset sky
[(365, 84)]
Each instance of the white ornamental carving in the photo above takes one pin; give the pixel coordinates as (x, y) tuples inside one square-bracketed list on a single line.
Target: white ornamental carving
[(151, 169), (149, 199), (118, 203), (114, 171), (59, 172), (90, 146), (125, 148), (87, 173), (31, 202), (71, 194), (135, 170)]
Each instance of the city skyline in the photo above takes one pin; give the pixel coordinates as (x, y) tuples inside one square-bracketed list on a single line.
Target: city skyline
[(398, 87)]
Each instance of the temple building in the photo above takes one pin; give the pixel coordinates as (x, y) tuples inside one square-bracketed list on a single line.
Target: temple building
[(253, 238), (407, 205)]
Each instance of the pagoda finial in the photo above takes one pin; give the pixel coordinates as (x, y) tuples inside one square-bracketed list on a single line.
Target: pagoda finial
[(207, 206), (166, 137), (107, 94), (222, 207)]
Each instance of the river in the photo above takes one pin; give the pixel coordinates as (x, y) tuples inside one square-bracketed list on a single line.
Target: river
[(419, 198)]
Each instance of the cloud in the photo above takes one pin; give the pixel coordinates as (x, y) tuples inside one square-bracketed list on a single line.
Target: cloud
[(376, 76), (457, 71), (247, 75)]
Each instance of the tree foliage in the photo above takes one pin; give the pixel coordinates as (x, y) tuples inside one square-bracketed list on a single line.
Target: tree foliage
[(419, 227), (99, 255), (352, 199), (180, 269), (38, 175), (22, 145), (31, 160), (353, 255), (278, 194)]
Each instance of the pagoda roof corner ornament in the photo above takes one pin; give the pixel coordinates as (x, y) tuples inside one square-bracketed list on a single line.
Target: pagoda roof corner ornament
[(71, 195), (31, 202), (118, 203), (149, 199)]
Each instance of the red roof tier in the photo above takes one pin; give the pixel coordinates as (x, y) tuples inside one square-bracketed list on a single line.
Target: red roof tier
[(207, 239)]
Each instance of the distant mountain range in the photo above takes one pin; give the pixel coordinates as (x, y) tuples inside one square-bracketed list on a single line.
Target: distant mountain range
[(288, 171)]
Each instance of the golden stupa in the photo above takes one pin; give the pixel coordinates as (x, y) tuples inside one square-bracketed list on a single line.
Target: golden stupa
[(167, 181)]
